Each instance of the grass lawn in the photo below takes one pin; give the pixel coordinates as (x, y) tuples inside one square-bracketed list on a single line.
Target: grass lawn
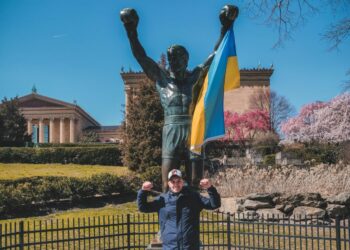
[(11, 171), (102, 228)]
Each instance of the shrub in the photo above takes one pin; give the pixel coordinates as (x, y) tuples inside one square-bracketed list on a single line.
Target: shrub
[(75, 145), (217, 148), (110, 155), (154, 175), (269, 160), (263, 150), (16, 195), (322, 153), (266, 143), (143, 134), (52, 188), (21, 193), (81, 188), (131, 183), (107, 184), (13, 127), (344, 152)]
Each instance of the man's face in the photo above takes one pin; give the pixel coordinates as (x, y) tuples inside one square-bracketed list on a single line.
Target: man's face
[(175, 184)]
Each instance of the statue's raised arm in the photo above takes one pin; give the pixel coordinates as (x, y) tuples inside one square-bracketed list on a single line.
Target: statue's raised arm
[(130, 20), (228, 15)]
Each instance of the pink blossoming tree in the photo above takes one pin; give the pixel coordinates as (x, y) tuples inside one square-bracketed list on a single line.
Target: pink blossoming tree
[(243, 128), (321, 122)]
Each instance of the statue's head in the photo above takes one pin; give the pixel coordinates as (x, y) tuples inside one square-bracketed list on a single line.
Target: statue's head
[(177, 58)]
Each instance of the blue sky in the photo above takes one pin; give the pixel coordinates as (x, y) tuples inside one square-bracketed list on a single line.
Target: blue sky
[(75, 49)]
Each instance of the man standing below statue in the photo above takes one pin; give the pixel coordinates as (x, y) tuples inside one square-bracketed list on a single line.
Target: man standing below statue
[(179, 210), (175, 87)]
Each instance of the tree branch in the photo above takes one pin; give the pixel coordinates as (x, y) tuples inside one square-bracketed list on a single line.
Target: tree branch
[(338, 32)]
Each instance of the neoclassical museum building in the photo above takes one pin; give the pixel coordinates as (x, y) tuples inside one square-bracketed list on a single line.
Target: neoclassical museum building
[(237, 100), (54, 121)]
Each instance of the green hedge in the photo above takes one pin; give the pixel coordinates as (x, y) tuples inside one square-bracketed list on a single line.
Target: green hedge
[(154, 175), (79, 145), (325, 153), (21, 193), (217, 149), (79, 155), (266, 149)]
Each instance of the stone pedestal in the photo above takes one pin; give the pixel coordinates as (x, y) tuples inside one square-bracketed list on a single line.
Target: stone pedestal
[(154, 247), (156, 244)]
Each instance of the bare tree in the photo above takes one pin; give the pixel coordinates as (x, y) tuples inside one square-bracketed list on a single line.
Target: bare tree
[(337, 33), (287, 15), (260, 99), (280, 109)]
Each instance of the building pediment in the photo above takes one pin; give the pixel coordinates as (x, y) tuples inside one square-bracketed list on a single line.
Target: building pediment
[(38, 101)]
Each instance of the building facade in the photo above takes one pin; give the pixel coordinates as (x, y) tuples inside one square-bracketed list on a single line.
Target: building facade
[(107, 134), (53, 121), (237, 100)]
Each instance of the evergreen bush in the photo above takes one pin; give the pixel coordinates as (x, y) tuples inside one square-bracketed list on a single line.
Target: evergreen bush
[(154, 175), (143, 131), (74, 145), (110, 155), (21, 193), (320, 152)]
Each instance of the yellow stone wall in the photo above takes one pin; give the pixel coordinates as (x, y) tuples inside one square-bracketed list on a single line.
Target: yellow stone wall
[(238, 100)]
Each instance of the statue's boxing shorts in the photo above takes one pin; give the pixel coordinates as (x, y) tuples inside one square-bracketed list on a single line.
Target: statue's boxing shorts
[(176, 131)]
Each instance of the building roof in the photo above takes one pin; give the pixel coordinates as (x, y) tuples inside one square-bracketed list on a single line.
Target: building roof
[(249, 77), (34, 100)]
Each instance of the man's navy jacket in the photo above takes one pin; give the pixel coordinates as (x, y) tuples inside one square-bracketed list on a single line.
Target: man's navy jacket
[(179, 215)]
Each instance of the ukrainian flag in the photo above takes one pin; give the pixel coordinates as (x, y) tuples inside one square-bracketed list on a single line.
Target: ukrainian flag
[(223, 75)]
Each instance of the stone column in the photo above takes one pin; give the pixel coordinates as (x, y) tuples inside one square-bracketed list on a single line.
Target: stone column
[(62, 132), (77, 129), (41, 130), (52, 130), (72, 130), (29, 126)]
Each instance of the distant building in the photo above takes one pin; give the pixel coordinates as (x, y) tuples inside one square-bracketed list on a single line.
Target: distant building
[(237, 100), (107, 133), (53, 121)]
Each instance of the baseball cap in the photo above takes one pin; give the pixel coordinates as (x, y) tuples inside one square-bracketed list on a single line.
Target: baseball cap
[(174, 172)]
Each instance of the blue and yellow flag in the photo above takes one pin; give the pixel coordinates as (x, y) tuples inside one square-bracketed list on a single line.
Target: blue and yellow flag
[(223, 75)]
